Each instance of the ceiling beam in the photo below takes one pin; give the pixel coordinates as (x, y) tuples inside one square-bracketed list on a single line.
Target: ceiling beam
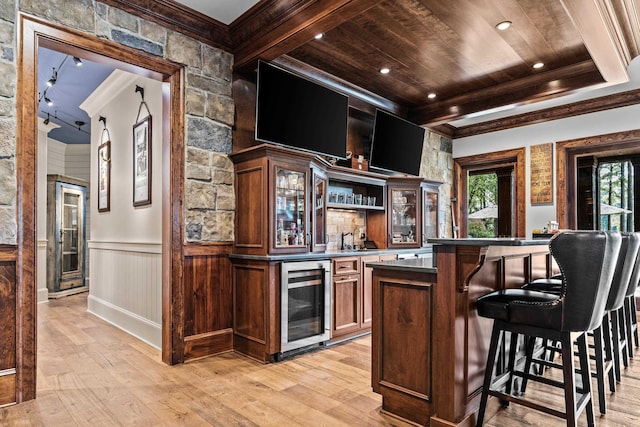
[(276, 27), (537, 87), (603, 36), (609, 102)]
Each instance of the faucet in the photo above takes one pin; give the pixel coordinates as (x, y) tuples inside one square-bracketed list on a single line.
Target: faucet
[(342, 236)]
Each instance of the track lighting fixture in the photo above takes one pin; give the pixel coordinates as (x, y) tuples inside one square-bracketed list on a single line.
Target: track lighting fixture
[(77, 61), (46, 121), (53, 79), (48, 101)]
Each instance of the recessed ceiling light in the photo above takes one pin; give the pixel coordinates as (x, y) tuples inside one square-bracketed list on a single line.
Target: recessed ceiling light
[(503, 25), (318, 36), (538, 65), (385, 70), (431, 95)]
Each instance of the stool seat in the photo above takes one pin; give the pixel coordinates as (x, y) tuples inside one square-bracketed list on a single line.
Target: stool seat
[(518, 306), (550, 285)]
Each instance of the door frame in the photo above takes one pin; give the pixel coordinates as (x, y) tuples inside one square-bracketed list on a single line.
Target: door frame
[(567, 153), (490, 161), (31, 33)]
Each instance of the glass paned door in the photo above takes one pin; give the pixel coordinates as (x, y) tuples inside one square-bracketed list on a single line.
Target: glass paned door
[(403, 220), (318, 213), (290, 208), (69, 232), (71, 235)]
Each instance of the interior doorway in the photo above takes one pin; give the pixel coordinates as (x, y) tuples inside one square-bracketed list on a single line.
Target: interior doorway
[(108, 244), (36, 33)]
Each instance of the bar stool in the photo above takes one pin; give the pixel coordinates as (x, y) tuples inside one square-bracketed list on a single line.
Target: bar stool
[(587, 262), (615, 303), (627, 315)]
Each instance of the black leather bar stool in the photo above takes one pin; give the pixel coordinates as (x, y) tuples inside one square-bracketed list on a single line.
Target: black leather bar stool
[(608, 342), (587, 261), (615, 303), (627, 315)]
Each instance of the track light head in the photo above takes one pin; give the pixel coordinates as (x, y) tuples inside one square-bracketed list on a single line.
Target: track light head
[(77, 61), (53, 79), (48, 101)]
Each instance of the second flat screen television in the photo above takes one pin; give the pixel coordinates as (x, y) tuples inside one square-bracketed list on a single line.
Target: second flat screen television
[(396, 145), (298, 113)]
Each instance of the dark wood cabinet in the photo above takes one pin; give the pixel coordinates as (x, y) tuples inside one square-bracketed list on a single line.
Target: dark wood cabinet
[(272, 202), (8, 380), (346, 296), (401, 226), (366, 305), (256, 313), (283, 198)]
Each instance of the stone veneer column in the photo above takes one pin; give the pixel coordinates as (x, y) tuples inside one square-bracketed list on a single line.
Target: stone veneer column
[(437, 165)]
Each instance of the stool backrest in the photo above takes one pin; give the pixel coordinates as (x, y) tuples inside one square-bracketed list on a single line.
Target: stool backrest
[(624, 270), (587, 261), (635, 276)]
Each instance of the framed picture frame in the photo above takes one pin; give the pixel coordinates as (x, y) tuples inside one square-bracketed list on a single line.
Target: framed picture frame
[(104, 177), (541, 173), (142, 162)]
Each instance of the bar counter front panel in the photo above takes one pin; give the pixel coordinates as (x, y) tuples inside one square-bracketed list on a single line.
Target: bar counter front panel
[(429, 346)]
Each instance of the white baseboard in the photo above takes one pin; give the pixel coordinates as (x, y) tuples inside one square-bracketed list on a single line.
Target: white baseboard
[(43, 295), (139, 327)]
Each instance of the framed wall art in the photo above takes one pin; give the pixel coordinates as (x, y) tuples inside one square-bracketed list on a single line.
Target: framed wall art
[(142, 162), (104, 177), (541, 168)]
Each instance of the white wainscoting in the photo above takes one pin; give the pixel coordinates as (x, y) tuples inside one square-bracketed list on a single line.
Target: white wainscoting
[(126, 287), (41, 276)]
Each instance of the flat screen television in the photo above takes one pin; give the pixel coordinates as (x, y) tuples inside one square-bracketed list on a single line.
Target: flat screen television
[(298, 113), (396, 145)]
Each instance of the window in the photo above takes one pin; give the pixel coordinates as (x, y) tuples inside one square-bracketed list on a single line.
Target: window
[(489, 191)]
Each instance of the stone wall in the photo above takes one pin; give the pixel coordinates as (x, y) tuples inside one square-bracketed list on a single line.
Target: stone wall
[(437, 165), (209, 196), (7, 123)]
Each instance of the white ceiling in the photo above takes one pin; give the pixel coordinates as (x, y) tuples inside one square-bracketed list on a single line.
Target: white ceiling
[(225, 11)]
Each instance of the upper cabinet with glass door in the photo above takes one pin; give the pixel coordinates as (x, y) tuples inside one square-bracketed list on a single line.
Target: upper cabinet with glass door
[(290, 209), (430, 216), (318, 210), (404, 214)]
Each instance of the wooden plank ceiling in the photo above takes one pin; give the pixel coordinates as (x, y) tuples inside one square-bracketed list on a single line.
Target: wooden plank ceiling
[(447, 47)]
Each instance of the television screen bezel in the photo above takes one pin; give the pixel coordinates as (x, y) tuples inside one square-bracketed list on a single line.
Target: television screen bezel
[(372, 164), (296, 147)]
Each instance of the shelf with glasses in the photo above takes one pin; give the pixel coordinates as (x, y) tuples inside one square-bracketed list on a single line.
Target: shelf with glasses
[(355, 192)]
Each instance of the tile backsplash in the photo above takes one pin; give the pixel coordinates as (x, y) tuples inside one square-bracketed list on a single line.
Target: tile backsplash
[(345, 221)]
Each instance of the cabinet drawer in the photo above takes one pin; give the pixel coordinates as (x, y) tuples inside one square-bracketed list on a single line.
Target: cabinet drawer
[(349, 265)]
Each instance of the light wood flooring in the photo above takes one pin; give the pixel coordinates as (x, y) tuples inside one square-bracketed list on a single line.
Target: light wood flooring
[(93, 374)]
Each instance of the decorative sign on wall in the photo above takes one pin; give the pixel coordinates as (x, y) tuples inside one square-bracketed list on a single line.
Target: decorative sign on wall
[(541, 166)]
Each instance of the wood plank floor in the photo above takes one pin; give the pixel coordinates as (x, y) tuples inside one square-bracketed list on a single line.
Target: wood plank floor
[(90, 373)]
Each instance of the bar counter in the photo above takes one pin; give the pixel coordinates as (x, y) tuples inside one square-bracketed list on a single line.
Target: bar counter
[(429, 346)]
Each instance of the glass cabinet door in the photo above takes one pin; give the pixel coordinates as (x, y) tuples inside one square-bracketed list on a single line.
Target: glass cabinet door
[(403, 216), (429, 215), (290, 207), (318, 212)]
